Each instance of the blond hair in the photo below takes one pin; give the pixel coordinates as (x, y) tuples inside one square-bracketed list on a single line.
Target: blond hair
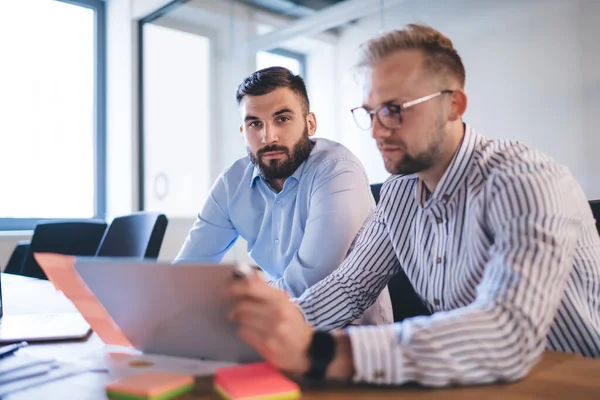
[(440, 55)]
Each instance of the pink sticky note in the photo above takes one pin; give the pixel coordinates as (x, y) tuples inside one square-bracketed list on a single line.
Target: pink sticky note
[(61, 271), (254, 381)]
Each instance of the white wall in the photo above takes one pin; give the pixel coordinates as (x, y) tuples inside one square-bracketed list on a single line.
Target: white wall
[(589, 18), (121, 110), (532, 74)]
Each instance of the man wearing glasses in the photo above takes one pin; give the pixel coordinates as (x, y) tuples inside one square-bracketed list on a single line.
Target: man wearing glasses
[(497, 239)]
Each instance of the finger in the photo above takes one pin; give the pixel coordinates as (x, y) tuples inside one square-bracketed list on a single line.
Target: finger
[(271, 349), (250, 307), (255, 288), (255, 338), (253, 324)]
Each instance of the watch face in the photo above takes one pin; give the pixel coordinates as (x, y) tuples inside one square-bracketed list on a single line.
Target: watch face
[(320, 352)]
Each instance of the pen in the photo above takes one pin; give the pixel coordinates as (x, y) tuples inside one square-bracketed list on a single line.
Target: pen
[(10, 349)]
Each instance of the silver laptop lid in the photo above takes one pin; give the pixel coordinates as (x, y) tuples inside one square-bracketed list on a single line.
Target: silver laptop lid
[(178, 310)]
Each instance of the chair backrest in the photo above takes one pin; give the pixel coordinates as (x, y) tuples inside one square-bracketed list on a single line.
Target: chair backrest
[(595, 206), (405, 301), (375, 189), (17, 258), (75, 238), (136, 235)]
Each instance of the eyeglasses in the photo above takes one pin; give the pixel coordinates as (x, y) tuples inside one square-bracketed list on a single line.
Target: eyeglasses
[(388, 115)]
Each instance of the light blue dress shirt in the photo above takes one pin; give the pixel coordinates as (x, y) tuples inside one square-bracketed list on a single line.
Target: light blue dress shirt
[(297, 236)]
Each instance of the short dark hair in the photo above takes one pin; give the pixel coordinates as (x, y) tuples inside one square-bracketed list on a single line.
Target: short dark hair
[(267, 80), (440, 55)]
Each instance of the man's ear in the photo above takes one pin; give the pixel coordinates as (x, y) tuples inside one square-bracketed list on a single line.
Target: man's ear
[(311, 122), (459, 104), (241, 129)]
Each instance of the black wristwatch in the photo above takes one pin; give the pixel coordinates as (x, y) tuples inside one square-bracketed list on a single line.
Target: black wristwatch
[(320, 354)]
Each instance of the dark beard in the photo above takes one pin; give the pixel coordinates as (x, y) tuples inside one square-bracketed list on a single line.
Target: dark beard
[(414, 164), (276, 169)]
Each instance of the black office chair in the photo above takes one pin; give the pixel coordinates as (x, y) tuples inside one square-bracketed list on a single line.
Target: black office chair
[(595, 206), (17, 258), (405, 301), (75, 238), (136, 235)]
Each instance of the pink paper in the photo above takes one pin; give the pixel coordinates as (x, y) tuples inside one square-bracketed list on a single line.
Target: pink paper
[(60, 270)]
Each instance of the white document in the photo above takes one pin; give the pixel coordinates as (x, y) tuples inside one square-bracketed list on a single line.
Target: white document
[(18, 361), (61, 371), (25, 373)]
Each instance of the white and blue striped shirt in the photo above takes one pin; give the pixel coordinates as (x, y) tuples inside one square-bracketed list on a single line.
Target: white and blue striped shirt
[(504, 252)]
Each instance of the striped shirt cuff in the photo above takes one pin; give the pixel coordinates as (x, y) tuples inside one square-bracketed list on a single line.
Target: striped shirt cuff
[(377, 355)]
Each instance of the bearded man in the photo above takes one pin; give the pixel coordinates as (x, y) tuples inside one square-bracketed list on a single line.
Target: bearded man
[(298, 201)]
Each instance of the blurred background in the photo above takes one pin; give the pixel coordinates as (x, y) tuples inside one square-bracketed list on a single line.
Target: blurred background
[(111, 107)]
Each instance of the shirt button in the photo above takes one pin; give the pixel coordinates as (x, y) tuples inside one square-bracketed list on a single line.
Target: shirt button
[(438, 260), (276, 241), (278, 202), (436, 302), (378, 374), (439, 220), (445, 198)]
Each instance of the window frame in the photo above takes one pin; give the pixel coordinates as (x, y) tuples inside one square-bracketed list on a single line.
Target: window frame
[(300, 57), (23, 224), (141, 159)]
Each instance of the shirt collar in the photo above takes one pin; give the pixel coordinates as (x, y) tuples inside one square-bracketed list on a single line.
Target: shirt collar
[(454, 175), (255, 175), (296, 175)]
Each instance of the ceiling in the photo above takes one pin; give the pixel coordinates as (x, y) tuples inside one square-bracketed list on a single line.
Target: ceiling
[(291, 8)]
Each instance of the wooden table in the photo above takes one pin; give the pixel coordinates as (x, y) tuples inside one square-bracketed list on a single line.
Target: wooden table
[(557, 376)]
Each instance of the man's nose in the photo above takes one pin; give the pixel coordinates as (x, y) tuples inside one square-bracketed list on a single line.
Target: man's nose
[(270, 135), (379, 131)]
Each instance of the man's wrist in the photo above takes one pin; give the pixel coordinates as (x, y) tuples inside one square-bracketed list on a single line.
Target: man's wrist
[(339, 367), (342, 365)]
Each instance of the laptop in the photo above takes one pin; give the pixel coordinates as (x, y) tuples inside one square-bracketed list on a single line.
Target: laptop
[(177, 310), (40, 327)]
